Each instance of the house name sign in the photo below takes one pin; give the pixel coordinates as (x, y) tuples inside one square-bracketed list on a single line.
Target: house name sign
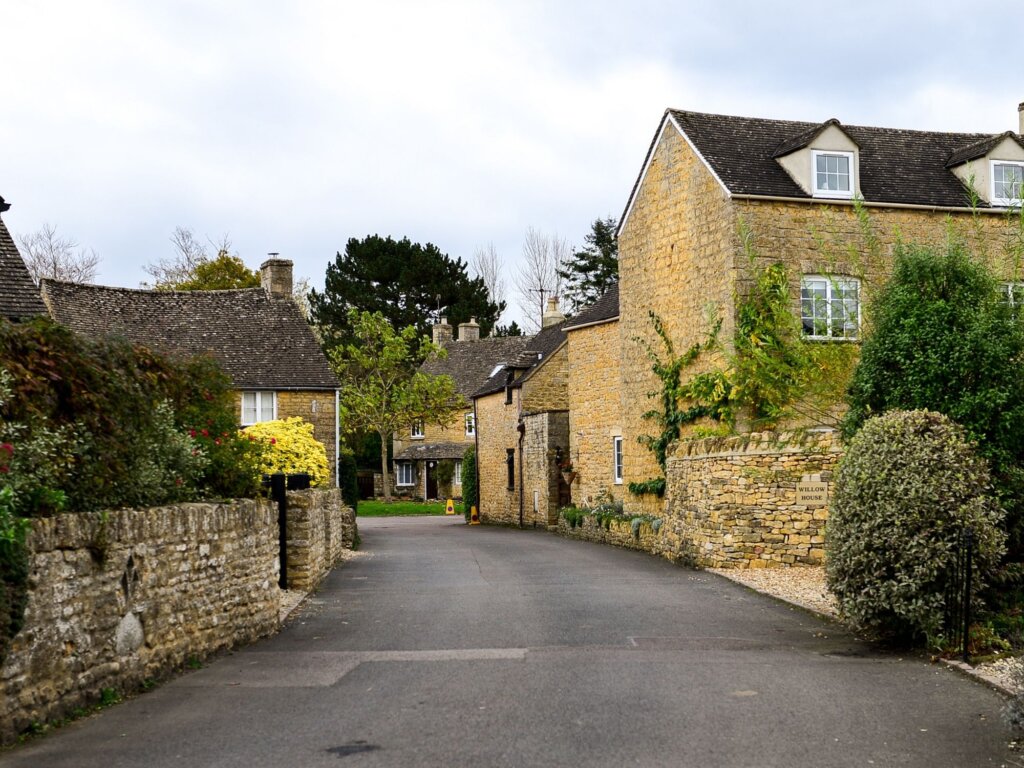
[(812, 494)]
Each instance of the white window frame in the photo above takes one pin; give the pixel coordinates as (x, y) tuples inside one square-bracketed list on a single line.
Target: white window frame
[(470, 425), (457, 476), (258, 397), (416, 430), (617, 461), (831, 282), (836, 194), (1008, 202), (410, 470)]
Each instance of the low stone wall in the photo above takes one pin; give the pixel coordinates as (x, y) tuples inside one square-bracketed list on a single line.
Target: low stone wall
[(319, 528), (172, 583), (619, 533), (754, 501)]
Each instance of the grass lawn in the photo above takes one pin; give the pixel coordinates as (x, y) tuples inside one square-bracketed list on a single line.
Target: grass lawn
[(376, 508)]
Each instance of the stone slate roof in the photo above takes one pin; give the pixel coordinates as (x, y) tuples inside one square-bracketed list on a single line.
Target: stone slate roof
[(896, 166), (469, 363), (538, 349), (261, 342), (19, 297), (424, 451), (603, 310)]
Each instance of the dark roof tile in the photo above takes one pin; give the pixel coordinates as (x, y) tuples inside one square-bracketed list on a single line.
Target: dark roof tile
[(19, 297), (421, 451), (261, 342), (603, 310), (538, 349), (469, 363)]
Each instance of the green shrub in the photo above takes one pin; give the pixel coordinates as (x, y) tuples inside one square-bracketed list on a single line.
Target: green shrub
[(348, 479), (907, 486), (469, 489), (942, 339)]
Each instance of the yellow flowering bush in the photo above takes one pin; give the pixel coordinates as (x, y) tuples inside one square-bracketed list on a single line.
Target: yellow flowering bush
[(291, 448)]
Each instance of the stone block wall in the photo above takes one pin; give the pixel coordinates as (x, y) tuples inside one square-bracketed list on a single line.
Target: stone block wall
[(174, 583), (545, 434), (546, 388), (734, 502), (496, 426), (318, 409), (595, 391), (619, 533), (319, 528)]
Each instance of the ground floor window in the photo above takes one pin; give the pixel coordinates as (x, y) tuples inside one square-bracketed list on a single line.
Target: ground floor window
[(405, 473), (510, 466), (617, 459), (258, 406), (830, 307), (457, 477)]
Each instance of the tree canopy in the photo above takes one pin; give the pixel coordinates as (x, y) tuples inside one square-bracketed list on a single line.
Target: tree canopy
[(405, 282), (222, 273), (381, 389), (589, 272)]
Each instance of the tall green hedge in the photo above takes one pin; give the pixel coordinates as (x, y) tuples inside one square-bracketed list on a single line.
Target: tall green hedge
[(469, 487)]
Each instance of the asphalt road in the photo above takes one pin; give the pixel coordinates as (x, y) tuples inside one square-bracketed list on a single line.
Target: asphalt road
[(445, 645)]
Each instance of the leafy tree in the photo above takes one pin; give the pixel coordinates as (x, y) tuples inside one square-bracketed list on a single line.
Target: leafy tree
[(222, 273), (381, 390), (591, 271), (403, 281), (512, 329), (943, 340)]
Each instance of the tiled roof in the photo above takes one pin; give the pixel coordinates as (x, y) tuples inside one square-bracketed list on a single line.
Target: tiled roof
[(980, 148), (537, 350), (260, 341), (896, 166), (603, 310), (19, 297), (801, 140), (469, 363), (422, 451)]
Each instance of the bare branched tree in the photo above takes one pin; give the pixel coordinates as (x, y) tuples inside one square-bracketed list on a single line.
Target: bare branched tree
[(537, 278), (486, 265), (49, 255), (189, 253)]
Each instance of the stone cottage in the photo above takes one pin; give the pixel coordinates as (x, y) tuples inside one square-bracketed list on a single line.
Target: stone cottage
[(418, 450), (19, 297), (522, 415), (827, 200), (257, 335)]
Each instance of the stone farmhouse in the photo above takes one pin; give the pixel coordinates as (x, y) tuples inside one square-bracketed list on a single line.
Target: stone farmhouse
[(522, 414), (19, 297), (718, 197), (257, 335), (470, 361)]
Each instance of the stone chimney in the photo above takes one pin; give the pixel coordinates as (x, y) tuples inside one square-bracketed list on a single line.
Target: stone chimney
[(552, 316), (276, 277), (442, 332), (1020, 118), (469, 331)]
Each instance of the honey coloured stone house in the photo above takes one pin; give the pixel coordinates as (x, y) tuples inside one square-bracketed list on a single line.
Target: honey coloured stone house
[(418, 450), (522, 415), (257, 335), (19, 297), (828, 201)]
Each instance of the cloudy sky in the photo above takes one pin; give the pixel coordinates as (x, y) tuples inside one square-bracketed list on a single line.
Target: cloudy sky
[(292, 127)]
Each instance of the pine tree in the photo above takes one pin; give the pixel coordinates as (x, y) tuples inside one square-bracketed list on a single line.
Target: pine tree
[(590, 272)]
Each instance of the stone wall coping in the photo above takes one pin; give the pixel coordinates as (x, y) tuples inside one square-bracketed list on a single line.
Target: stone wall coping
[(757, 443)]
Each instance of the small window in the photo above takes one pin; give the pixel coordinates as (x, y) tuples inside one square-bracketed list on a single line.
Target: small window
[(833, 174), (457, 477), (470, 425), (405, 473), (258, 406), (617, 459), (510, 467), (830, 307), (416, 430), (1007, 183)]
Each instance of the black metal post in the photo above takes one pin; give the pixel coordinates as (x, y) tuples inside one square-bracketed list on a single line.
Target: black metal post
[(969, 556), (277, 492)]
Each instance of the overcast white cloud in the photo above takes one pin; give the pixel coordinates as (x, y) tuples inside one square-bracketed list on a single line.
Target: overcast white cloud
[(294, 126)]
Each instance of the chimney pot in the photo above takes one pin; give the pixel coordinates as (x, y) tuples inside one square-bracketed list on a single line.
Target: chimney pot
[(441, 332), (276, 278), (469, 331), (552, 315), (1020, 118)]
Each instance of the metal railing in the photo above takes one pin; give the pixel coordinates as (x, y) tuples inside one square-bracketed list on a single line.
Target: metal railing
[(959, 580)]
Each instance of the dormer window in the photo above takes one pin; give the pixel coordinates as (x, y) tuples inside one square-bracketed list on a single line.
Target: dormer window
[(1007, 182), (833, 174)]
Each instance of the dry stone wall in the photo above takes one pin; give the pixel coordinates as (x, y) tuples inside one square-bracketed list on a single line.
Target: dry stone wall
[(112, 606), (618, 533), (755, 501), (319, 528)]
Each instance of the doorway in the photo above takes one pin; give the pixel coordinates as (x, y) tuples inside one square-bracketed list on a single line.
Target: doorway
[(431, 483)]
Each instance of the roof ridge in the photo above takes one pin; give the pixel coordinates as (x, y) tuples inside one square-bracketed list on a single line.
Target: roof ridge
[(150, 291)]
